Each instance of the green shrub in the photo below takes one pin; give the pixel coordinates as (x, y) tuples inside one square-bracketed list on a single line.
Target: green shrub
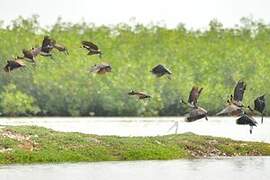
[(214, 59), (14, 102)]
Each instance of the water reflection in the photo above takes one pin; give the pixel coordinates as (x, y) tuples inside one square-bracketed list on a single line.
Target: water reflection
[(230, 168)]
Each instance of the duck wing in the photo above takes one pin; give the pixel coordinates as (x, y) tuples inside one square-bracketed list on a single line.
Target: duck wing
[(239, 91)]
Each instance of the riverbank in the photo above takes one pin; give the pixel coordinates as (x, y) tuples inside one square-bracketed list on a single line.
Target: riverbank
[(31, 144)]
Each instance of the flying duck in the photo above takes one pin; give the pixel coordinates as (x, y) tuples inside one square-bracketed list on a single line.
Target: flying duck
[(92, 48), (14, 64), (101, 68), (160, 70), (140, 95)]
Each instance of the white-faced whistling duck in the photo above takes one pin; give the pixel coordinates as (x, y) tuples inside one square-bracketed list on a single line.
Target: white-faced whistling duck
[(47, 45), (161, 70), (31, 54), (231, 109), (92, 48), (259, 105), (61, 48), (101, 68), (239, 91), (235, 105), (196, 112), (14, 64), (140, 95), (194, 95), (246, 119)]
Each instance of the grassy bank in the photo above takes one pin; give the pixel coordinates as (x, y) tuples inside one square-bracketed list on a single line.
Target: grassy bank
[(28, 144)]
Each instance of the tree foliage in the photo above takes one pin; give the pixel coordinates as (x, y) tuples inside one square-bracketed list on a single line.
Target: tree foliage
[(214, 59)]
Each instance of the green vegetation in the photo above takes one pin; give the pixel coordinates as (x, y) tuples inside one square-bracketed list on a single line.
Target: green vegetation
[(17, 103), (29, 144), (214, 59)]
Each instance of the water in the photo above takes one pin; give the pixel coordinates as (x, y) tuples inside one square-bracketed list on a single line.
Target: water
[(211, 169), (223, 127)]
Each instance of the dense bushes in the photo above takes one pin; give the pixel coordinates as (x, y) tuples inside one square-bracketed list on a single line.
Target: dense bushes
[(14, 102), (214, 59)]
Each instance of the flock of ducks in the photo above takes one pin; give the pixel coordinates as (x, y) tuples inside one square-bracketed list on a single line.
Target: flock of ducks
[(47, 46), (234, 107)]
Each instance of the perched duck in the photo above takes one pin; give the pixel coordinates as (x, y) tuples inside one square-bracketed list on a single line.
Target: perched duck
[(161, 70), (14, 64), (101, 68), (91, 47), (196, 112), (247, 120), (140, 95)]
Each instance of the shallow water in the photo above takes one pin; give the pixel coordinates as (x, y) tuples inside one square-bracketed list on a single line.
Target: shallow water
[(211, 169), (215, 126)]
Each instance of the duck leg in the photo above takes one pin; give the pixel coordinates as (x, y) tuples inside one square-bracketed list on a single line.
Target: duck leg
[(176, 129), (175, 124), (250, 130)]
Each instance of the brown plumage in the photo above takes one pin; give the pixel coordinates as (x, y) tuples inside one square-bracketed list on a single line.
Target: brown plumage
[(235, 105), (31, 54), (196, 113), (91, 47), (194, 95), (14, 64), (61, 48), (101, 68), (259, 105), (231, 109), (160, 70), (140, 95), (247, 120), (239, 91), (47, 44)]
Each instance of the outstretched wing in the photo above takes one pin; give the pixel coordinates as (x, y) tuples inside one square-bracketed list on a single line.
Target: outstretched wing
[(245, 119), (160, 69), (20, 62), (239, 91), (259, 104), (61, 48), (194, 95)]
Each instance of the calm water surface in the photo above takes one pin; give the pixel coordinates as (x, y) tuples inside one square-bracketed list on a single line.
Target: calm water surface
[(245, 168), (223, 127)]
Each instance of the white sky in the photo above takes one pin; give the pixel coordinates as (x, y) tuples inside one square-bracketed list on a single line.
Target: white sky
[(193, 13)]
